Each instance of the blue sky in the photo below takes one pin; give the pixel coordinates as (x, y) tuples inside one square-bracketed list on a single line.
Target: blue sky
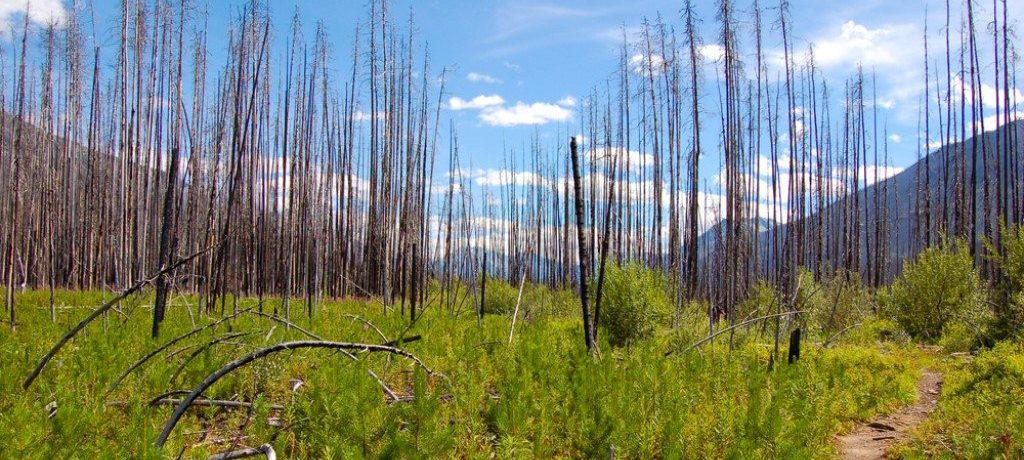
[(524, 67)]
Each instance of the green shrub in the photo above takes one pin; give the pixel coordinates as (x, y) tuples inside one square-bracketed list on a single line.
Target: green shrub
[(1013, 263), (957, 337), (542, 303), (837, 304), (763, 300), (635, 301), (500, 297), (689, 325), (940, 287)]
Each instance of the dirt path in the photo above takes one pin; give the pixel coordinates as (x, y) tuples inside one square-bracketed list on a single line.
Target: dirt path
[(872, 440)]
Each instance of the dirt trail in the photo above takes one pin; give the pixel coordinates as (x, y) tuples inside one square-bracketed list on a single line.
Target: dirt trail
[(872, 440)]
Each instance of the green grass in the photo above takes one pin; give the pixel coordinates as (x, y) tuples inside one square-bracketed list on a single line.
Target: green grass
[(980, 412), (542, 396)]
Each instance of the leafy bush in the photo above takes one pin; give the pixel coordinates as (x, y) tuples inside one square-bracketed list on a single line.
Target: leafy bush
[(763, 300), (958, 338), (542, 303), (689, 325), (838, 303), (940, 287), (635, 300), (499, 297)]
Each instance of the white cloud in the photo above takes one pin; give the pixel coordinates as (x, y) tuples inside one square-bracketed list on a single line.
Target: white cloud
[(713, 52), (895, 138), (537, 113), (502, 177), (858, 44), (989, 96), (42, 12), (360, 115), (644, 64), (567, 101), (479, 102), (494, 112), (482, 78), (636, 159)]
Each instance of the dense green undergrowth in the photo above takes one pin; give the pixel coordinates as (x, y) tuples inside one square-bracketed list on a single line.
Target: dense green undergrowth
[(540, 396), (980, 414)]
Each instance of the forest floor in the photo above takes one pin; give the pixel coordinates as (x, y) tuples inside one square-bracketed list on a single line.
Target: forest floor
[(874, 438), (497, 398)]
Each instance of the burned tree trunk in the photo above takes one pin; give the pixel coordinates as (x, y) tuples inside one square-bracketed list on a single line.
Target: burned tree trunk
[(583, 248)]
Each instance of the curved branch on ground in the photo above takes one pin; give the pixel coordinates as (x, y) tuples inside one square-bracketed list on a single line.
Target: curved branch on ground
[(228, 368), (99, 311), (163, 347)]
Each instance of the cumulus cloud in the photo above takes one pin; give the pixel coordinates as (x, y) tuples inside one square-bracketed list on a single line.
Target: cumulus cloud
[(503, 177), (567, 101), (990, 98), (537, 113), (713, 52), (482, 78), (479, 102), (644, 64), (494, 112), (859, 44), (635, 158), (42, 12)]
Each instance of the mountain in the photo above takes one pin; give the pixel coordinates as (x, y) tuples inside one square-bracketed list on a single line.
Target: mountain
[(886, 213)]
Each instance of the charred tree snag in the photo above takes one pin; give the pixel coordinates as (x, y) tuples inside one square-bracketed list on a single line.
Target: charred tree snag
[(160, 303), (584, 250), (794, 346)]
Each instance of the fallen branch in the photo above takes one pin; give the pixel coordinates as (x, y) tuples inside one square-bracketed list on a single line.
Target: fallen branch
[(829, 340), (163, 347), (519, 299), (288, 324), (169, 393), (730, 328), (265, 449), (228, 368), (194, 354), (367, 323), (99, 311), (198, 403)]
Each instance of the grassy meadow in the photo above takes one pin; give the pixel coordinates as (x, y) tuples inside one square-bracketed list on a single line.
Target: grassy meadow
[(541, 396)]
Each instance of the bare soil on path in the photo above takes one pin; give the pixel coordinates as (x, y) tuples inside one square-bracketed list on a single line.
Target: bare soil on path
[(874, 438)]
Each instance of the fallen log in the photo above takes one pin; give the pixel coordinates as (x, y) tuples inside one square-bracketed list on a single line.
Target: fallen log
[(198, 351)]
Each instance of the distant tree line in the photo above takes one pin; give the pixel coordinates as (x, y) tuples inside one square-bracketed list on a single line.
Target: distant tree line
[(294, 183)]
